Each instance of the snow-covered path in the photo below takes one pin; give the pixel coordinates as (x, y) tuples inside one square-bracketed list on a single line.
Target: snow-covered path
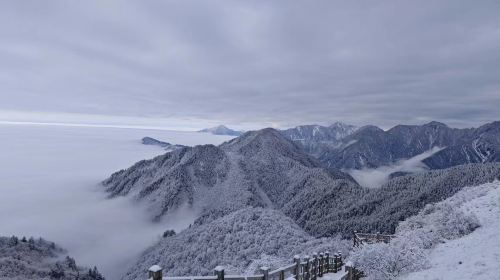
[(333, 276), (477, 255)]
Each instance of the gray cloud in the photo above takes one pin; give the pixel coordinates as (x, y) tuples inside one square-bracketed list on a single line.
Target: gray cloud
[(251, 63)]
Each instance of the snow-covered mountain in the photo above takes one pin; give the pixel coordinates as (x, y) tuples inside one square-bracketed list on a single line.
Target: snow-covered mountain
[(381, 209), (264, 180), (317, 139), (260, 168), (264, 169), (29, 258), (165, 145), (371, 146), (222, 130)]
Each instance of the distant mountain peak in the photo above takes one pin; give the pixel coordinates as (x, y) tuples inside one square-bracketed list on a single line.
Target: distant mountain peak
[(220, 127), (370, 128), (151, 141), (314, 139), (341, 125), (436, 124), (222, 130), (258, 140)]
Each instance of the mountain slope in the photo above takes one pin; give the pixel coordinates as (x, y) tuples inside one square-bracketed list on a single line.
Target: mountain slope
[(239, 241), (474, 256), (482, 146), (381, 209), (260, 168), (184, 176)]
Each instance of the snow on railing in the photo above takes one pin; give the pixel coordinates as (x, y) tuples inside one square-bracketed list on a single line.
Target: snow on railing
[(304, 268), (360, 238)]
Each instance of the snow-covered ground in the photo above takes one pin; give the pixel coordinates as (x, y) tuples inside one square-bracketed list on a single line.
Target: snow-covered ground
[(49, 178), (333, 276), (474, 256)]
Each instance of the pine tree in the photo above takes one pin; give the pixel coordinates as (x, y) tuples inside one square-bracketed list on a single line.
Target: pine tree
[(57, 271), (31, 242), (14, 240)]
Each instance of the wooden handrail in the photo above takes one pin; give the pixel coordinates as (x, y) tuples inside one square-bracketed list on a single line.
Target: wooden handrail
[(359, 238), (302, 269)]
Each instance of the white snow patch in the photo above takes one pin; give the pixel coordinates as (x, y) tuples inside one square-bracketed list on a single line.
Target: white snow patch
[(474, 256), (333, 276), (349, 143)]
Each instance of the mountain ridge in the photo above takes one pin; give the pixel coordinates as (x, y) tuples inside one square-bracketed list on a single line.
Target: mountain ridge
[(371, 147), (259, 169), (315, 138), (155, 142)]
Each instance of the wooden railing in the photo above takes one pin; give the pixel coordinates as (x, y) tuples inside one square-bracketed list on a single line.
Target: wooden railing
[(306, 268), (352, 273), (369, 238), (363, 238)]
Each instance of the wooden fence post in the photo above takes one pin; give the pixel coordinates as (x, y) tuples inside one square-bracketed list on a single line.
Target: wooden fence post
[(305, 268), (296, 271), (314, 266), (155, 272), (282, 275), (326, 264), (265, 271), (350, 274), (354, 238), (219, 272), (321, 265), (335, 263)]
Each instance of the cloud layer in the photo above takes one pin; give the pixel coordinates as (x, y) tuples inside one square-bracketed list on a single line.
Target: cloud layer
[(376, 177), (49, 187), (254, 62)]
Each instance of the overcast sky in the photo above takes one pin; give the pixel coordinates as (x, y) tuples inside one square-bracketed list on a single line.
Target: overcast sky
[(249, 64)]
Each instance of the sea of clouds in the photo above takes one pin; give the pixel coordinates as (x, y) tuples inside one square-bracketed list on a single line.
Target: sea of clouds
[(49, 187)]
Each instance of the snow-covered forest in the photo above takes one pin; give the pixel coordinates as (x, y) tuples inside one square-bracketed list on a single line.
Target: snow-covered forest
[(30, 258), (451, 239), (241, 241)]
